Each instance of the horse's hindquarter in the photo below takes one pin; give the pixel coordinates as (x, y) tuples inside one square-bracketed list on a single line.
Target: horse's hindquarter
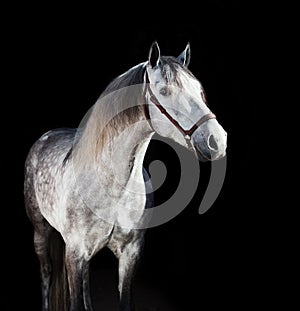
[(47, 171)]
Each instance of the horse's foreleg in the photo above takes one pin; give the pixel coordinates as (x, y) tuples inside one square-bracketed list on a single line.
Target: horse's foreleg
[(75, 266), (86, 287), (41, 245), (127, 265)]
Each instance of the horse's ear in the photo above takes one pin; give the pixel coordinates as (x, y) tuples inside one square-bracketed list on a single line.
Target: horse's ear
[(185, 57), (154, 54)]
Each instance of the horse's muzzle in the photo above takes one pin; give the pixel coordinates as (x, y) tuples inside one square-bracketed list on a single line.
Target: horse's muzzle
[(210, 148)]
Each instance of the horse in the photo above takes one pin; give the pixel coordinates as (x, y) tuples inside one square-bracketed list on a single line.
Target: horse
[(87, 188)]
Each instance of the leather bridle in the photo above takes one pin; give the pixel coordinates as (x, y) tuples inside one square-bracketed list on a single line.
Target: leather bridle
[(186, 133)]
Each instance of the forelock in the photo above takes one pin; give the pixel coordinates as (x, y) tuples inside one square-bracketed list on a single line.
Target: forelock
[(172, 69)]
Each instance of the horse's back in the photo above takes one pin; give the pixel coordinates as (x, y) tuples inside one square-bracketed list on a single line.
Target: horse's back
[(55, 143), (50, 150)]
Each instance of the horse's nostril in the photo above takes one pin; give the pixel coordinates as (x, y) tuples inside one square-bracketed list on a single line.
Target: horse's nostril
[(212, 144)]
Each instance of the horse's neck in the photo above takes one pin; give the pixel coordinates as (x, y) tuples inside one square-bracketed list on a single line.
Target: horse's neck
[(124, 157), (117, 165)]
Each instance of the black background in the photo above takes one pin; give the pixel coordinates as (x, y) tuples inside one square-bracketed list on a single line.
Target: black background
[(61, 59)]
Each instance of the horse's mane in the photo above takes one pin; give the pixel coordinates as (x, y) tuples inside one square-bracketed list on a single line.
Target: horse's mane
[(120, 104)]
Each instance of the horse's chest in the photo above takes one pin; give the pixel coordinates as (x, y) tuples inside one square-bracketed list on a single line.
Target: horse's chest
[(120, 206)]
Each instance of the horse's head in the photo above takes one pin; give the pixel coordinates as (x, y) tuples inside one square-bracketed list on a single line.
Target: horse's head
[(176, 105)]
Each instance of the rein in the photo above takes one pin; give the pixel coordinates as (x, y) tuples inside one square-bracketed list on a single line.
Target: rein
[(186, 133)]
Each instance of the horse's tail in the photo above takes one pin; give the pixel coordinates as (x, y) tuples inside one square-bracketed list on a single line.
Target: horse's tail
[(58, 296)]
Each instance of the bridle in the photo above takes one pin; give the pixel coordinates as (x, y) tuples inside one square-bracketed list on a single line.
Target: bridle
[(186, 133)]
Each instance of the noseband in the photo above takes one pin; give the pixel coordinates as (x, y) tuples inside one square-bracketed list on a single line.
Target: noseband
[(186, 133)]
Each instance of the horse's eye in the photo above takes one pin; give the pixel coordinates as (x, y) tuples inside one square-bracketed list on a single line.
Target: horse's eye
[(164, 91)]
